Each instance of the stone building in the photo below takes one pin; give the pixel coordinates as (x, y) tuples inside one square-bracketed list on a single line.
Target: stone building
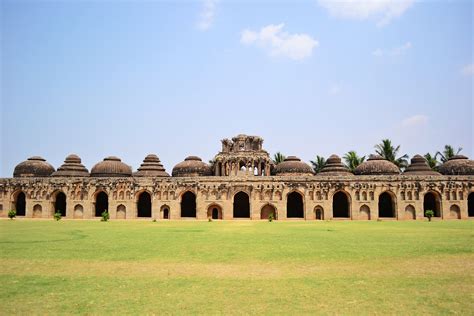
[(242, 183)]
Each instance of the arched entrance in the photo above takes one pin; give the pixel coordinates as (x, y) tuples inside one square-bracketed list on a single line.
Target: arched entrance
[(294, 205), (241, 205), (144, 205), (267, 210), (37, 211), (165, 212), (432, 201), (121, 212), (318, 213), (455, 212), (101, 203), (188, 204), (60, 204), (214, 212), (340, 205), (470, 204), (364, 212), (78, 211), (20, 204), (386, 205), (410, 212)]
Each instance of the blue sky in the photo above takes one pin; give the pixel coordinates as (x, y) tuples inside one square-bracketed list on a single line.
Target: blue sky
[(128, 78)]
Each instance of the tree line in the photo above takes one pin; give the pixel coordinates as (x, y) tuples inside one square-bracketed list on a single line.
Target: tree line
[(385, 149)]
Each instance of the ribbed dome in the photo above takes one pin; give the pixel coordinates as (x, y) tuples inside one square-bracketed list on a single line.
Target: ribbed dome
[(457, 165), (72, 167), (334, 167), (33, 167), (111, 167), (419, 166), (293, 165), (376, 165), (192, 166), (151, 167)]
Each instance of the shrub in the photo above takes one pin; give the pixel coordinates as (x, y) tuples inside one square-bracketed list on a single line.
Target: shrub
[(105, 216), (270, 217), (209, 219), (429, 214), (154, 220), (57, 216), (12, 214)]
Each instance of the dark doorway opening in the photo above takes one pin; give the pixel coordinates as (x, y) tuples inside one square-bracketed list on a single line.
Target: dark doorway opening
[(188, 205), (294, 206), (215, 213), (386, 205), (340, 205), (470, 205), (319, 214), (101, 203), (144, 205), (431, 202), (60, 204), (166, 214), (241, 205), (20, 204)]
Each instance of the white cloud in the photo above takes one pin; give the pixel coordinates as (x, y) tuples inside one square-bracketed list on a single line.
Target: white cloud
[(415, 121), (396, 51), (468, 70), (280, 43), (208, 12), (383, 11)]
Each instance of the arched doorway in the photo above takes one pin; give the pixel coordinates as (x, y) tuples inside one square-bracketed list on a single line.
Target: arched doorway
[(470, 204), (386, 205), (60, 204), (101, 203), (319, 213), (364, 212), (241, 205), (188, 205), (78, 211), (165, 212), (455, 212), (20, 204), (144, 205), (294, 205), (340, 205), (267, 210), (214, 212), (121, 212), (410, 212), (432, 201), (37, 211)]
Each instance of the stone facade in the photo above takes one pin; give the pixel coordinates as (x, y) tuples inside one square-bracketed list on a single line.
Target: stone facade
[(242, 183)]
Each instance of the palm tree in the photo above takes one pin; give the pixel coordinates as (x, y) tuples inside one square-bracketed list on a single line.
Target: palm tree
[(278, 158), (352, 160), (447, 153), (432, 161), (318, 164), (389, 152)]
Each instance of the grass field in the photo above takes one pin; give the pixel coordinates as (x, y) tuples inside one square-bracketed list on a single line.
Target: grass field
[(250, 267)]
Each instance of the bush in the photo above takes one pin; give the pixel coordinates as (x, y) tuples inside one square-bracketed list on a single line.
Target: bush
[(429, 214), (12, 214), (209, 219), (105, 216), (270, 217), (57, 216), (154, 220)]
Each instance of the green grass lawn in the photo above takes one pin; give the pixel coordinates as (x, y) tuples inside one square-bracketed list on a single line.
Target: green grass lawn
[(333, 267)]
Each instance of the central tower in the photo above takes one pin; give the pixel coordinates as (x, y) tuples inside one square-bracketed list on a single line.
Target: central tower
[(242, 156)]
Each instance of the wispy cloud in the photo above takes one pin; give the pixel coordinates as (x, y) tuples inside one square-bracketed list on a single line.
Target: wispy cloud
[(468, 70), (383, 11), (279, 43), (396, 51), (418, 120), (208, 12)]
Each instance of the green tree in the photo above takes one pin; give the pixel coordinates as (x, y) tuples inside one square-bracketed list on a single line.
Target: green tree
[(432, 161), (352, 160), (318, 164), (278, 158), (447, 153), (389, 152)]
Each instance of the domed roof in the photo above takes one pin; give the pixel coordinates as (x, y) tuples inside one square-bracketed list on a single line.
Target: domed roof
[(33, 167), (419, 166), (72, 167), (192, 166), (111, 167), (376, 165), (151, 167), (334, 167), (293, 165), (457, 165)]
